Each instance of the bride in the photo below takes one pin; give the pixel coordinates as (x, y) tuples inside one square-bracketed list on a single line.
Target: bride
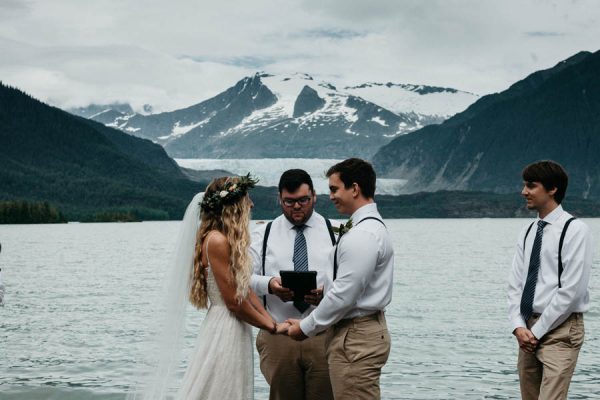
[(212, 266)]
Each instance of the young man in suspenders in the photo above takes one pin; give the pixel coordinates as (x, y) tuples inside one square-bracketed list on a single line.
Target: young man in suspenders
[(298, 240), (548, 286), (358, 343)]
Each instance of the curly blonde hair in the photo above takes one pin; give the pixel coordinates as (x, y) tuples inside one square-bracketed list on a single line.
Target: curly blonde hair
[(233, 222)]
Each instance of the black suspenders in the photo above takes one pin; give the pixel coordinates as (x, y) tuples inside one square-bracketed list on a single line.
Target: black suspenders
[(264, 255), (560, 245), (335, 262), (330, 229), (266, 238)]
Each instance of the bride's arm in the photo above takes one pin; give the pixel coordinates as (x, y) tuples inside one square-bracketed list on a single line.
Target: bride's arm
[(282, 327), (257, 304), (219, 253)]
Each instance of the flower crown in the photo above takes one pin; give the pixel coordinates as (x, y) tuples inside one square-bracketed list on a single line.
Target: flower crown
[(231, 193)]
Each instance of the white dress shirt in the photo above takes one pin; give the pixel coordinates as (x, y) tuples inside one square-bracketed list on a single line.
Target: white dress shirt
[(280, 251), (365, 274), (553, 303)]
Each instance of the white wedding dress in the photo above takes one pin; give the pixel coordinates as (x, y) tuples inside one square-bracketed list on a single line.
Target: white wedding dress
[(222, 365)]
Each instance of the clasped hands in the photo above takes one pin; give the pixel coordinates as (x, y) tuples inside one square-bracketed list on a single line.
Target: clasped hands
[(291, 327), (527, 340)]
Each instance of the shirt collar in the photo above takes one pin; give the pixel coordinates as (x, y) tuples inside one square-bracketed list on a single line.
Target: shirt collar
[(364, 211), (553, 216)]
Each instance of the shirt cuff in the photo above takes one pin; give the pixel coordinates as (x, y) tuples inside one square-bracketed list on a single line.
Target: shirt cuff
[(539, 330), (307, 325), (517, 322), (261, 284)]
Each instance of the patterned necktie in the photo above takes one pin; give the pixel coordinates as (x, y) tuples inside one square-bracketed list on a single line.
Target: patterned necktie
[(300, 260), (532, 273)]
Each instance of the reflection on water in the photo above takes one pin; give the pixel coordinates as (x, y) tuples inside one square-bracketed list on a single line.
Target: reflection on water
[(81, 300)]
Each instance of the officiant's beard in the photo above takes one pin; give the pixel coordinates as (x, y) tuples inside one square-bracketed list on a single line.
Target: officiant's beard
[(299, 216)]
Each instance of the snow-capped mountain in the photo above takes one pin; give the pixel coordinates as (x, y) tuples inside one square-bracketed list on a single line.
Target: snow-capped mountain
[(270, 116), (103, 113), (109, 114), (423, 100)]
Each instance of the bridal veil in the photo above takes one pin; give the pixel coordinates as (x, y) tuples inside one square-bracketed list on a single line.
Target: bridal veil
[(166, 355)]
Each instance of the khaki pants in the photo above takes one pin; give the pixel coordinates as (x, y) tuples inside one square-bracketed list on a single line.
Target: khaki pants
[(294, 370), (546, 375), (357, 350)]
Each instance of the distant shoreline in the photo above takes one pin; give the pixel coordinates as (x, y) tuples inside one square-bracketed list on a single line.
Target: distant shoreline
[(439, 205)]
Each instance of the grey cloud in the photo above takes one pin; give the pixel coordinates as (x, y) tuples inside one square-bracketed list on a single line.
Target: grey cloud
[(360, 10), (329, 33), (543, 34), (10, 9), (252, 62), (199, 51), (534, 57)]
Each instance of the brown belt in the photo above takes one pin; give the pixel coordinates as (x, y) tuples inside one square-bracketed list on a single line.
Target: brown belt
[(537, 315), (378, 315)]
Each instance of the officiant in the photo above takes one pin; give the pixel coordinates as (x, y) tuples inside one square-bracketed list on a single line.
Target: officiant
[(300, 239)]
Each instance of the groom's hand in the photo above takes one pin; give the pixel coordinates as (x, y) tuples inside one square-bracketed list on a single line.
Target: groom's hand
[(282, 328), (294, 330), (283, 293)]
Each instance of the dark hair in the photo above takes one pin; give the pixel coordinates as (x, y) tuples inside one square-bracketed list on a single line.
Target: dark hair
[(355, 170), (292, 179), (550, 174)]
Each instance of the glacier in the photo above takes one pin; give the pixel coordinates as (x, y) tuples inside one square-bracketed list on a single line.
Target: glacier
[(268, 170)]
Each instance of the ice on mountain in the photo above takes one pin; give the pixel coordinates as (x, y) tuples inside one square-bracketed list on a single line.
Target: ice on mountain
[(379, 120), (269, 171)]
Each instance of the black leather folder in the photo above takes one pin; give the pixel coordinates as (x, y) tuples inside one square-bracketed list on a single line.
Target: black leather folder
[(301, 283)]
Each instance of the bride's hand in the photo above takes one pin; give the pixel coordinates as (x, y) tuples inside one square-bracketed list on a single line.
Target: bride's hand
[(282, 327)]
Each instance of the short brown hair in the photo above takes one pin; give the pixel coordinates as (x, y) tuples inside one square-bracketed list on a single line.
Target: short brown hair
[(355, 170), (550, 174)]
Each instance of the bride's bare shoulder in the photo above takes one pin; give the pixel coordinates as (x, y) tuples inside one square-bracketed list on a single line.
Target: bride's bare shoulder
[(217, 242)]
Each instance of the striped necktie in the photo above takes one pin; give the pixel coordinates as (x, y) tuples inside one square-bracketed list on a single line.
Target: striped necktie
[(300, 260), (532, 273)]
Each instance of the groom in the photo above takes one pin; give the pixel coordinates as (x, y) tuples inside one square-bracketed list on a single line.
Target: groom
[(358, 344)]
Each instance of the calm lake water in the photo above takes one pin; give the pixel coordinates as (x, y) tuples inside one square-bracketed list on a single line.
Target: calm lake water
[(81, 300)]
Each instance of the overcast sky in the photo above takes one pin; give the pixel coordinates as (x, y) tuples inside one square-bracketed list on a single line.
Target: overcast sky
[(172, 54)]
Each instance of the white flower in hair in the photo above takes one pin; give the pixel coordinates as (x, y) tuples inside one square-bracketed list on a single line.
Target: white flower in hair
[(230, 193)]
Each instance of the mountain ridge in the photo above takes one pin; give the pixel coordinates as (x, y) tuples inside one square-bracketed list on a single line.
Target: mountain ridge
[(274, 112), (81, 166), (550, 114)]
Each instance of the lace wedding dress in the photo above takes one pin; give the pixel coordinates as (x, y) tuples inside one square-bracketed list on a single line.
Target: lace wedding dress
[(222, 366)]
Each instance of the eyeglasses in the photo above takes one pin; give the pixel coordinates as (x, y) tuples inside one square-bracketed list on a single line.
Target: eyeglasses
[(291, 202)]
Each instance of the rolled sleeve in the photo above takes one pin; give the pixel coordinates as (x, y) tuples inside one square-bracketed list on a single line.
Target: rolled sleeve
[(258, 282), (515, 287), (308, 326)]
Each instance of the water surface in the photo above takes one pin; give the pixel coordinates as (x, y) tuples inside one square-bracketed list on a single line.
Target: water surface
[(82, 299)]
